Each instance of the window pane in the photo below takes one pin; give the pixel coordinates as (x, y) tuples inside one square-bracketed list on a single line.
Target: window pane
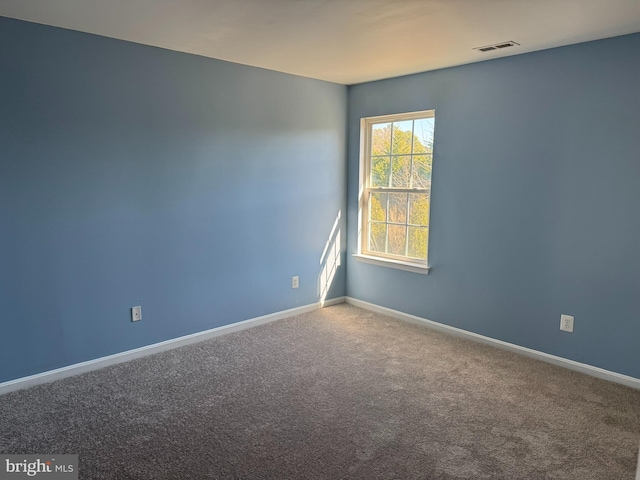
[(377, 236), (398, 159), (421, 171), (380, 171), (398, 207), (402, 135), (397, 239), (419, 209), (400, 171), (423, 136), (418, 238), (381, 139), (378, 207)]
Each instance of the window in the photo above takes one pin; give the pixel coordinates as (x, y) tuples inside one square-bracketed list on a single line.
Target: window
[(396, 156)]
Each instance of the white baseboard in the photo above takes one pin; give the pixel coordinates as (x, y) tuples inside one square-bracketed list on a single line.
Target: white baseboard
[(98, 363), (334, 301), (545, 357), (78, 368)]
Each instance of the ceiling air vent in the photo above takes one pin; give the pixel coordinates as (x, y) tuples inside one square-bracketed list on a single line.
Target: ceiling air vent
[(496, 46)]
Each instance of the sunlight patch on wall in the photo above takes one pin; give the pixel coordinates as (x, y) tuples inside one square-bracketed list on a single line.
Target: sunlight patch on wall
[(329, 261)]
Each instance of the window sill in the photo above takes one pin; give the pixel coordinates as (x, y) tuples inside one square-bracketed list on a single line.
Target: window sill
[(385, 262)]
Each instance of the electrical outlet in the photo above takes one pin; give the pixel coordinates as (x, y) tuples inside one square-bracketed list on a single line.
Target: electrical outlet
[(136, 313), (566, 323), (295, 282)]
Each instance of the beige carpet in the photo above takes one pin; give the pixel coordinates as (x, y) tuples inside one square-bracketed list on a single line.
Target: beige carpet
[(337, 393)]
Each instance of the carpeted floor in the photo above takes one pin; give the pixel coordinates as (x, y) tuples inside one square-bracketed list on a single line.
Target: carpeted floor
[(336, 393)]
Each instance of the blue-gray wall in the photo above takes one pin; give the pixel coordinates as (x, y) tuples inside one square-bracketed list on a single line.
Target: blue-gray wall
[(195, 187), (536, 200), (135, 175)]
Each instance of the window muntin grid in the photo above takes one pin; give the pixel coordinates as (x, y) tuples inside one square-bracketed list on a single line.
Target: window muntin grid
[(397, 186)]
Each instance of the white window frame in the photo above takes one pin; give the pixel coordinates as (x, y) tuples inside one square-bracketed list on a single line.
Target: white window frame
[(363, 254)]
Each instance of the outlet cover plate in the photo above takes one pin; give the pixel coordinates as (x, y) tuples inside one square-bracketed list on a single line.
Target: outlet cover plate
[(136, 314), (566, 323)]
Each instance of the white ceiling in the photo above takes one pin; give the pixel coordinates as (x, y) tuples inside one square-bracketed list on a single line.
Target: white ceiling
[(343, 41)]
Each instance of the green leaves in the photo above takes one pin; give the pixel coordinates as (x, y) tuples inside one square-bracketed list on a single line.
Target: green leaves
[(399, 158)]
